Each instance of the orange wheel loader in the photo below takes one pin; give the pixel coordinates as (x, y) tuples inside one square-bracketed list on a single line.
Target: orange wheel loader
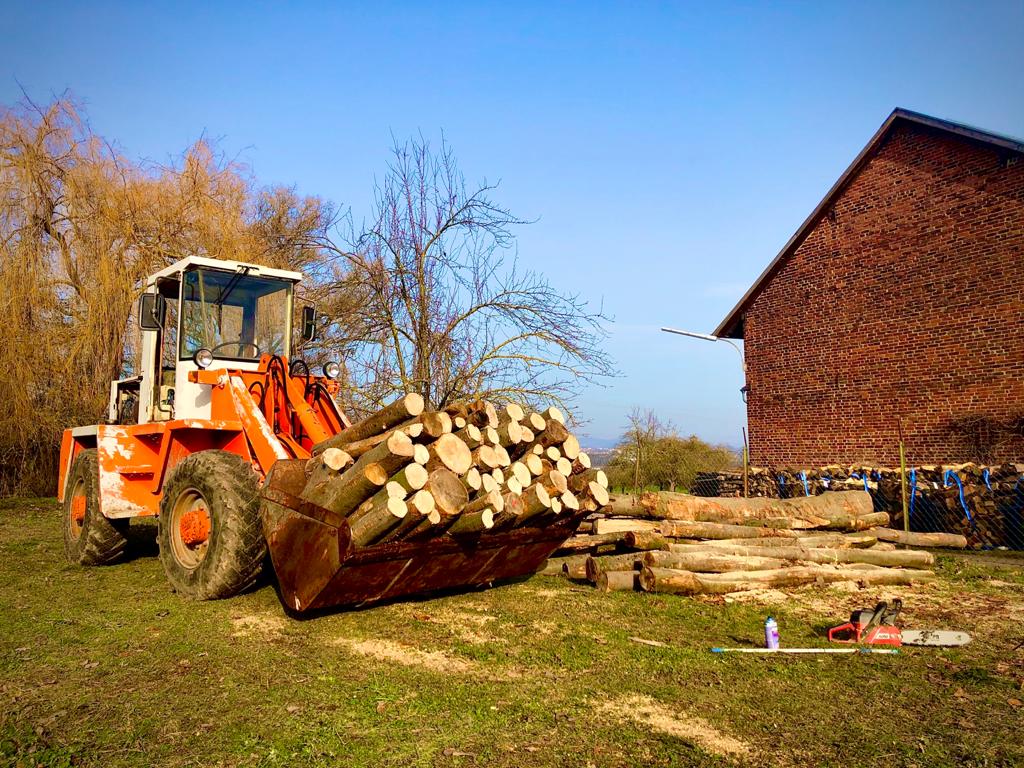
[(212, 438)]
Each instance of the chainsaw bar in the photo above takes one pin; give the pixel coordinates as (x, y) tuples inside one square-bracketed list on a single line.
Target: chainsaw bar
[(934, 637)]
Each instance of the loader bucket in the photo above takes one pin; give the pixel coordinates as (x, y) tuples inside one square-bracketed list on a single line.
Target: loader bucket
[(317, 565)]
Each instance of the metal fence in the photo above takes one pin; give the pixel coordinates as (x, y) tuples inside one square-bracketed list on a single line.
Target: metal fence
[(985, 504)]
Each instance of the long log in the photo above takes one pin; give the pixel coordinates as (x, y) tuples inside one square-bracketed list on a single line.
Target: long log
[(690, 529), (581, 543), (645, 540), (348, 490), (689, 583), (323, 471), (905, 558), (682, 506), (536, 500), (914, 539), (710, 562), (822, 541), (392, 454), (412, 477), (391, 490), (389, 416), (621, 524), (435, 424), (378, 521), (472, 522)]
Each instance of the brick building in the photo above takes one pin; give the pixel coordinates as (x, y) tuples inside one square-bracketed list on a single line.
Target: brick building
[(900, 296)]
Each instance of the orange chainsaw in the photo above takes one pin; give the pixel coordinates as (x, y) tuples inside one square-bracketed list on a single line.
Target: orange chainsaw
[(878, 627)]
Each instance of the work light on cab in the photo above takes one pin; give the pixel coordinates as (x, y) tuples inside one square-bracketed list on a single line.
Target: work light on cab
[(203, 358), (332, 370)]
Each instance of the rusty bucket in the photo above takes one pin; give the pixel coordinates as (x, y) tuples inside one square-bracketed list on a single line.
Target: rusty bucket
[(318, 567)]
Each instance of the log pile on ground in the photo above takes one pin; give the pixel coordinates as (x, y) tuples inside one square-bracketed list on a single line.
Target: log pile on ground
[(673, 542), (405, 474), (983, 503)]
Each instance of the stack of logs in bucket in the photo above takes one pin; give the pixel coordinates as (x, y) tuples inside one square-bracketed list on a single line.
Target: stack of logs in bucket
[(673, 542), (403, 474)]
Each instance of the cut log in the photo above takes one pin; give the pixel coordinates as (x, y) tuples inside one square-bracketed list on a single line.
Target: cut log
[(513, 510), (472, 479), (535, 422), (472, 522), (823, 541), (553, 414), (491, 436), (504, 460), (519, 471), (711, 562), (526, 436), (553, 566), (552, 453), (589, 543), (570, 448), (838, 507), (554, 482), (511, 412), (908, 558), (423, 502), (630, 561), (486, 457), (459, 422), (619, 505), (644, 540), (556, 505), (348, 490), (581, 463), (448, 491), (391, 455), (690, 529), (391, 415), (378, 521), (575, 570), (569, 501), (421, 454), (323, 471), (564, 466), (492, 500), (450, 452), (510, 433), (471, 436), (623, 524), (914, 539), (618, 581), (535, 501), (412, 477), (487, 482), (534, 463), (601, 479), (689, 583), (436, 423)]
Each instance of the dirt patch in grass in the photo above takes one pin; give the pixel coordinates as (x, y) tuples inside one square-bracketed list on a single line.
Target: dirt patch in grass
[(385, 650), (262, 626), (643, 710)]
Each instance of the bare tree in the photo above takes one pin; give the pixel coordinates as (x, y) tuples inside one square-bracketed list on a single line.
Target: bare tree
[(442, 307)]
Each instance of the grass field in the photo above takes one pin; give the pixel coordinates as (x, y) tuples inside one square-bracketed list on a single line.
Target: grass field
[(107, 667)]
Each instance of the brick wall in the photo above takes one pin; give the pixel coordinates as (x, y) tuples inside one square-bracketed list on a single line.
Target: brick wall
[(907, 299)]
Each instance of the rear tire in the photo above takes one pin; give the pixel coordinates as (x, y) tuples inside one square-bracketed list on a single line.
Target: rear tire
[(89, 537), (210, 533)]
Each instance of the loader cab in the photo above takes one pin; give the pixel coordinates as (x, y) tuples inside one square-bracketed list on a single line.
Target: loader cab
[(207, 313)]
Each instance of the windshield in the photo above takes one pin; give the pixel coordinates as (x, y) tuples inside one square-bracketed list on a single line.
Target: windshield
[(234, 315)]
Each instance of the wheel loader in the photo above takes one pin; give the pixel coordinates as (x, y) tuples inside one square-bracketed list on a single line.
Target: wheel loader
[(214, 437)]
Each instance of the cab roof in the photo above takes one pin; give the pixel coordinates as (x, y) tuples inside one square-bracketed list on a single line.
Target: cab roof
[(256, 270)]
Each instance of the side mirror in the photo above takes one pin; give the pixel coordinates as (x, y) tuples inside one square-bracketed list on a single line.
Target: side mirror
[(308, 322), (152, 311)]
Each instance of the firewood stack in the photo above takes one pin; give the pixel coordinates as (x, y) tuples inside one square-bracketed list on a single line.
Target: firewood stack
[(406, 474), (672, 542)]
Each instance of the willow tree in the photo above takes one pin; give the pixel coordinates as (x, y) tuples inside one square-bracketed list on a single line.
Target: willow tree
[(444, 308)]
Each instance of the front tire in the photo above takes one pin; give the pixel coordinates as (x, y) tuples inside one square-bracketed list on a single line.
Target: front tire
[(89, 537), (210, 535)]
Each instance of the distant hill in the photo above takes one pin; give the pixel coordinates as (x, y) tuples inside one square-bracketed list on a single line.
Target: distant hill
[(599, 457)]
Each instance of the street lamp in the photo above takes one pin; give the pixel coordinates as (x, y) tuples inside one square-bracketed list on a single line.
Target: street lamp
[(709, 337)]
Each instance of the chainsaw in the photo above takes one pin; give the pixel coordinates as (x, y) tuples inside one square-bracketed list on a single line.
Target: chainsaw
[(878, 627)]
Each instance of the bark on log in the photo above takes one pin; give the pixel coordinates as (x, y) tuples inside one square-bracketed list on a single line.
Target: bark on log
[(580, 543), (323, 471), (644, 540), (391, 490), (575, 570), (711, 562), (493, 500), (412, 477), (485, 456), (450, 452), (510, 433), (378, 521), (535, 501), (824, 541), (690, 529), (436, 423), (618, 581), (472, 522), (682, 506), (905, 558), (569, 501), (915, 539), (471, 436), (689, 583), (348, 490), (391, 455), (621, 525), (553, 414), (630, 561), (397, 412), (535, 422), (581, 464)]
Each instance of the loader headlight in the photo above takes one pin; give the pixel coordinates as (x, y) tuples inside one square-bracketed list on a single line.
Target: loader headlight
[(203, 358), (332, 370)]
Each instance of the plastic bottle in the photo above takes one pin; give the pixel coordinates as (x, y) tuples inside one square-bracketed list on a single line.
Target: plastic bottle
[(771, 633)]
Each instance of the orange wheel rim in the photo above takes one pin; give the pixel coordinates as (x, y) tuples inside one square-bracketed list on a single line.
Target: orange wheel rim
[(191, 527), (76, 516)]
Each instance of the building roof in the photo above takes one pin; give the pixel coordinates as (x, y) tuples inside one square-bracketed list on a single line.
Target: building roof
[(732, 325)]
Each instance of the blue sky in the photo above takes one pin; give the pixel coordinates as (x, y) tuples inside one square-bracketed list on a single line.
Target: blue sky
[(667, 150)]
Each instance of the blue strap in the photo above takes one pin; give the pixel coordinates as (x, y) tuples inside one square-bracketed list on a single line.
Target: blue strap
[(963, 502), (782, 486), (913, 493), (807, 488), (985, 477), (826, 480)]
